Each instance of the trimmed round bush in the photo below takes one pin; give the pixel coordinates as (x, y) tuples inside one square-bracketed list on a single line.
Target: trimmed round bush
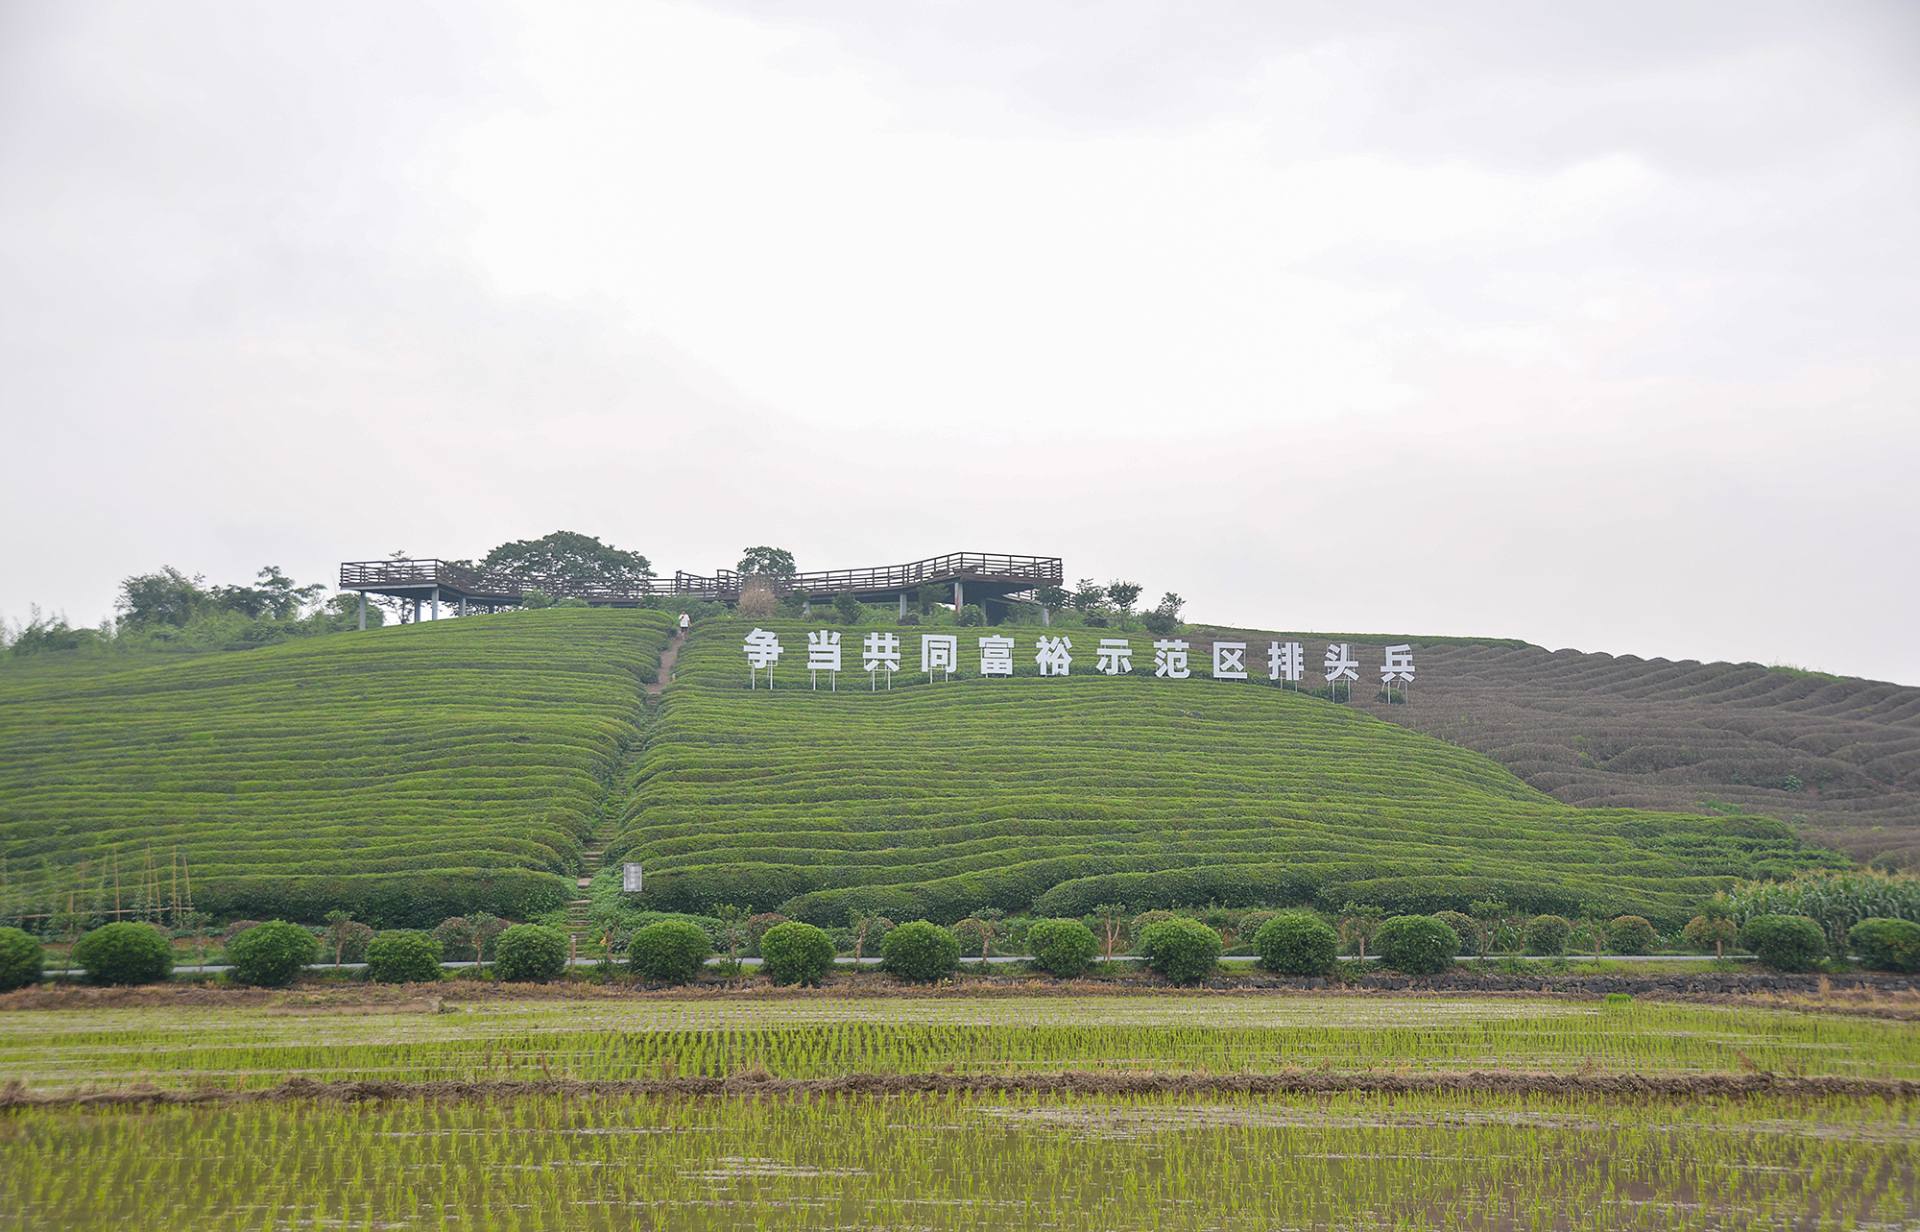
[(1785, 942), (1883, 944), (1417, 944), (1062, 947), (270, 955), (1548, 934), (1631, 934), (670, 952), (1184, 951), (1711, 932), (796, 953), (1464, 927), (21, 960), (757, 926), (346, 942), (403, 956), (530, 954), (1297, 943), (125, 953), (920, 952)]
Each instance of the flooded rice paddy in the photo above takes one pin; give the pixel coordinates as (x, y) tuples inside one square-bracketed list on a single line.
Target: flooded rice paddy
[(969, 1160), (613, 1040)]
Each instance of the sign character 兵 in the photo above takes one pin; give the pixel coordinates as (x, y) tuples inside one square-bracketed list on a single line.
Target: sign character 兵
[(1397, 664)]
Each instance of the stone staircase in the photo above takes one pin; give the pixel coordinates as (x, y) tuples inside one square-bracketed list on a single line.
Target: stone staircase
[(590, 858), (594, 855)]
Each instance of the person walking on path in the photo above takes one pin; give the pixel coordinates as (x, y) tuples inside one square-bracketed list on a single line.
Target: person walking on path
[(685, 621)]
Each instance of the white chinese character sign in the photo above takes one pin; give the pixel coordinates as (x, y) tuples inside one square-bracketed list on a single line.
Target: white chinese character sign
[(823, 655), (1286, 661), (1051, 654), (939, 652), (1000, 655), (1340, 665), (763, 651), (996, 655), (1397, 664), (881, 654)]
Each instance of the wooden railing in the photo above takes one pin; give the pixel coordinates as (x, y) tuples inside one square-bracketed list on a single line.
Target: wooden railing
[(994, 568)]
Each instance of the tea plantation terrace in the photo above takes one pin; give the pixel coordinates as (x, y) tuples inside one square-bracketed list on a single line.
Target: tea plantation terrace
[(1057, 795), (405, 774), (415, 772)]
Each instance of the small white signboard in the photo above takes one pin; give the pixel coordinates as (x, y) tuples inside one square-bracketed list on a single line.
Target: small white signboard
[(630, 878)]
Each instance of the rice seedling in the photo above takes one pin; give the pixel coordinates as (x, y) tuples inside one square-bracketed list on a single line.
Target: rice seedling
[(617, 1040), (939, 1161)]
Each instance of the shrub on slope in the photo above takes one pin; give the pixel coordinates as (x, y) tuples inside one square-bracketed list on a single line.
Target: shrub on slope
[(22, 961), (1417, 944), (125, 953), (1297, 943), (920, 952), (271, 955), (1887, 945), (796, 953), (530, 953)]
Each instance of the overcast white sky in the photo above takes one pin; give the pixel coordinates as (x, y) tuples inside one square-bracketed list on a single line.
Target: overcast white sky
[(1594, 325)]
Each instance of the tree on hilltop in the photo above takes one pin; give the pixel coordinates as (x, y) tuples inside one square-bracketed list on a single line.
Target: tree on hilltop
[(164, 597), (1123, 595), (276, 595), (170, 597), (567, 559), (767, 562), (1165, 618)]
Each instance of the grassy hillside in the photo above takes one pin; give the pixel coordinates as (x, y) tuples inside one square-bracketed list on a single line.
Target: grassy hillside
[(1062, 794), (406, 773), (1838, 757)]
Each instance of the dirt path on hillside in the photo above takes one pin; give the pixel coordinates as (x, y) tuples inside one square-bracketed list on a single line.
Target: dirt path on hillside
[(668, 658)]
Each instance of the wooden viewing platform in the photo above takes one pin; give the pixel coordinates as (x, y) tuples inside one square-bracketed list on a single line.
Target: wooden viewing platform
[(993, 579)]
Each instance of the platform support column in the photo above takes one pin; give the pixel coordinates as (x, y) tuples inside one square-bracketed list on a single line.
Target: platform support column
[(436, 603), (463, 605), (1046, 617), (416, 609), (959, 596), (903, 605), (363, 611)]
